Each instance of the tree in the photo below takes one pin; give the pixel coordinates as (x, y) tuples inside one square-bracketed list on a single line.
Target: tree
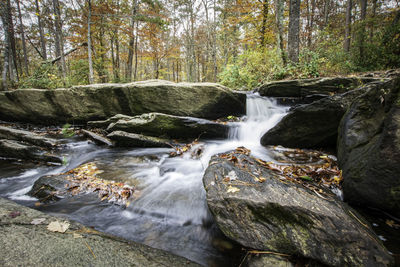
[(22, 32), (89, 38), (347, 34), (41, 31), (294, 31)]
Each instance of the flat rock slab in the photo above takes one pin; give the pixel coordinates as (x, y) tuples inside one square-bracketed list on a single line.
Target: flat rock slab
[(81, 104), (169, 126), (124, 139), (316, 125), (259, 209), (26, 136), (306, 87), (96, 138), (25, 240), (19, 150)]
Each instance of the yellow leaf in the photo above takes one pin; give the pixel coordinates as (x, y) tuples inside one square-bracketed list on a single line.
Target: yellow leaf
[(232, 189), (57, 226)]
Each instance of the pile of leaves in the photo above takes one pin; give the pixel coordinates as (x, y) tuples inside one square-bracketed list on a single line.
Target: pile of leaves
[(316, 176), (83, 179), (195, 148)]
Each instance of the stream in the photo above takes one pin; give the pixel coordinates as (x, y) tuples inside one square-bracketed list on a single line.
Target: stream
[(170, 211)]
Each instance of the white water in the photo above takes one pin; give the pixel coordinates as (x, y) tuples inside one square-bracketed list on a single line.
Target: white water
[(171, 212)]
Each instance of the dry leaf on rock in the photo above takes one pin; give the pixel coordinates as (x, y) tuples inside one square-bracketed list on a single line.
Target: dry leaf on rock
[(57, 226), (38, 221), (232, 189)]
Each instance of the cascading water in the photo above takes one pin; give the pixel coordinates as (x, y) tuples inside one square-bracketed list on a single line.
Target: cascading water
[(170, 212)]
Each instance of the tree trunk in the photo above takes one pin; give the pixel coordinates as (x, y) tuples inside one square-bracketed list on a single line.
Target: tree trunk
[(11, 38), (136, 53), (371, 34), (347, 33), (4, 18), (26, 64), (279, 29), (128, 75), (41, 32), (59, 38), (91, 78), (294, 31), (361, 44), (264, 22)]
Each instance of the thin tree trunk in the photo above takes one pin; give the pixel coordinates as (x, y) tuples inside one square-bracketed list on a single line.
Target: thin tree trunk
[(91, 78), (264, 22), (279, 29), (294, 31), (371, 34), (11, 36), (347, 33), (59, 37), (26, 64), (363, 7), (136, 52), (128, 75), (4, 18), (41, 32)]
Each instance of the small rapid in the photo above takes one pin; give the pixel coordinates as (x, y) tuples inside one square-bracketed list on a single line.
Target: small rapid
[(170, 211)]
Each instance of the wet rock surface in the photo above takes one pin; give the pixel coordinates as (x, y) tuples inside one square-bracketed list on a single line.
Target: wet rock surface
[(258, 208), (316, 125), (169, 126), (27, 239), (101, 101), (369, 149), (27, 137), (96, 138)]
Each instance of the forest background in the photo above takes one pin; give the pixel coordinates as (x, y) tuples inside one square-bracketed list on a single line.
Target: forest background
[(239, 43)]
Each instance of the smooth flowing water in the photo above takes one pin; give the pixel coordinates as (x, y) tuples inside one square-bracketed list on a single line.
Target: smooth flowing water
[(170, 211)]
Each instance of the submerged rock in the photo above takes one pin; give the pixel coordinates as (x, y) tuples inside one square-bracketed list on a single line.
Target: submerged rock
[(169, 126), (262, 210), (100, 101), (307, 87), (315, 125), (19, 150), (27, 233), (49, 188), (26, 136), (369, 149), (125, 139)]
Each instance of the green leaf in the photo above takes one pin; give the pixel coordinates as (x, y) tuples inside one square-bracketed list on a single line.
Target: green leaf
[(305, 177)]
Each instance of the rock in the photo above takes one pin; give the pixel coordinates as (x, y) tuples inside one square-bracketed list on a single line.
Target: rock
[(369, 149), (104, 124), (26, 136), (80, 104), (25, 240), (305, 87), (281, 216), (315, 125), (98, 139), (169, 126), (19, 150), (265, 260), (125, 139), (46, 187)]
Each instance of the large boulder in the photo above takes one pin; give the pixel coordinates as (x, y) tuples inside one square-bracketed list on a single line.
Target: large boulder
[(306, 87), (316, 125), (169, 126), (260, 209), (369, 149), (31, 238), (101, 101)]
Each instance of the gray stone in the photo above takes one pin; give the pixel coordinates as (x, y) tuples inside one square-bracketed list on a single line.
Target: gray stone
[(26, 136), (315, 125), (281, 216), (23, 243), (305, 87), (169, 126), (124, 139), (369, 149), (101, 101), (98, 139), (104, 123), (19, 150)]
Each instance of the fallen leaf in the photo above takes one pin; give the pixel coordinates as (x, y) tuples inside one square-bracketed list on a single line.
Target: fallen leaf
[(262, 179), (14, 214), (75, 235), (232, 189), (38, 221), (305, 177), (57, 226)]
